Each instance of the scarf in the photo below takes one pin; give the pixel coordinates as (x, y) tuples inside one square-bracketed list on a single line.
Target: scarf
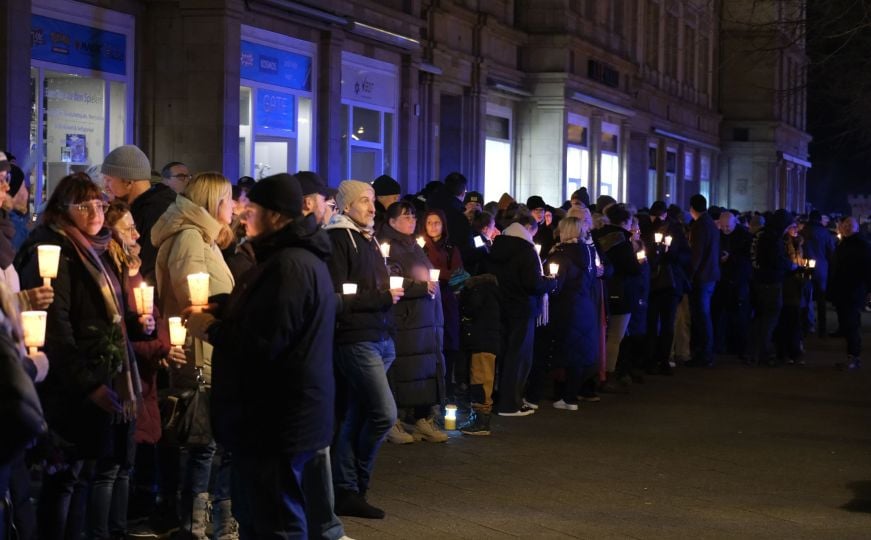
[(126, 381), (519, 231), (7, 232)]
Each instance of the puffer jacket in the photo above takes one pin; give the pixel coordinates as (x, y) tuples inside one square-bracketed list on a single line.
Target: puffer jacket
[(624, 286)]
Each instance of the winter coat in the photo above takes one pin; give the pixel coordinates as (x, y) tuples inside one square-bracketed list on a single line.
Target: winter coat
[(445, 256), (365, 316), (185, 236), (795, 283), (76, 331), (768, 256), (518, 269), (416, 375), (850, 273), (544, 237), (668, 265), (459, 230), (736, 271), (273, 387), (146, 210), (704, 239), (573, 322), (623, 286), (819, 245), (480, 315)]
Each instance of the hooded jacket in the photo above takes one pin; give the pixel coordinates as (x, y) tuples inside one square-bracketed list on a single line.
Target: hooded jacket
[(518, 270), (365, 316), (273, 387), (624, 284)]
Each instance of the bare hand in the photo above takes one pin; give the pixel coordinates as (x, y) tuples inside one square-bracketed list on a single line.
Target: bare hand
[(176, 357), (600, 271), (40, 361), (40, 297), (106, 398), (397, 294), (209, 308), (147, 323), (432, 287)]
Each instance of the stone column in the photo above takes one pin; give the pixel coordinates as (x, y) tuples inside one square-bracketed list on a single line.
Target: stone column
[(408, 119), (329, 91), (15, 90), (595, 140)]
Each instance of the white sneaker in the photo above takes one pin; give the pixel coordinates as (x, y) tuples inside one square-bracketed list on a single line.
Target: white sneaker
[(561, 404), (425, 429), (523, 411), (398, 435), (533, 406)]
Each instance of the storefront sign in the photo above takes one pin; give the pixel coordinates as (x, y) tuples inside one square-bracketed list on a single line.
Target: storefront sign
[(274, 66), (76, 45), (275, 111), (368, 85)]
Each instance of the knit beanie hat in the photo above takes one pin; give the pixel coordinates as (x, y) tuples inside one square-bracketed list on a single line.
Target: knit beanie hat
[(385, 185), (128, 163), (279, 192), (350, 191)]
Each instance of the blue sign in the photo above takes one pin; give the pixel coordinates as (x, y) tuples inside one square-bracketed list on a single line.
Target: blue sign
[(273, 66), (76, 45), (275, 112)]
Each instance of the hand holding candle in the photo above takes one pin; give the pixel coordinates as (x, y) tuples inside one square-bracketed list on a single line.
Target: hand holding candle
[(420, 241), (641, 256), (667, 241), (554, 269), (198, 284), (48, 257), (34, 323), (396, 290), (177, 332)]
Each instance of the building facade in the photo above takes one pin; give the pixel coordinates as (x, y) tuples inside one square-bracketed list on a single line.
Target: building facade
[(629, 98)]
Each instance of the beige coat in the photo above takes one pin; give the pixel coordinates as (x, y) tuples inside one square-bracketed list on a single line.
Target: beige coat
[(185, 238)]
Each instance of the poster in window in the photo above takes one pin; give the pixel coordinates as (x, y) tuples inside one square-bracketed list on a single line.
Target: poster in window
[(78, 147)]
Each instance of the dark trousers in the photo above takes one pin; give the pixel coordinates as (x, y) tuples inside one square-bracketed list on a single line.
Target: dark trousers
[(768, 301), (819, 293), (850, 322), (516, 362), (59, 517), (788, 333), (661, 312), (701, 327), (731, 312)]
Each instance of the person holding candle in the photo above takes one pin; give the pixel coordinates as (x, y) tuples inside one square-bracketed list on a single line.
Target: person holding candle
[(788, 334), (417, 374), (92, 393), (189, 238), (364, 348)]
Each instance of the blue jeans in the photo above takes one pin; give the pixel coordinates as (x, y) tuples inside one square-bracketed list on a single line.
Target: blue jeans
[(701, 325), (370, 412)]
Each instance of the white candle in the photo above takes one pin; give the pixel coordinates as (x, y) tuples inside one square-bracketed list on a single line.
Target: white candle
[(33, 324), (198, 284), (420, 241), (177, 332), (349, 288), (538, 249), (450, 417), (811, 263), (385, 250), (48, 257), (667, 240), (396, 282), (598, 262), (554, 269), (641, 256), (658, 237), (143, 295), (434, 274)]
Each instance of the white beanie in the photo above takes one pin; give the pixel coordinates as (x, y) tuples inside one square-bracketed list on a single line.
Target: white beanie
[(127, 162), (350, 191)]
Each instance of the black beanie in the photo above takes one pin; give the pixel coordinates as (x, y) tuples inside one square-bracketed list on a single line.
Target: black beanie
[(279, 192), (385, 185)]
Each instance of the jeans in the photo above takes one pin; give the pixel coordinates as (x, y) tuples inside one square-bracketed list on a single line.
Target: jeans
[(370, 412), (317, 488), (661, 313), (55, 504), (516, 363), (768, 299), (701, 326), (110, 486)]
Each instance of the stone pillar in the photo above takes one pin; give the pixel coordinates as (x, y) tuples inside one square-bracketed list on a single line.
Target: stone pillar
[(595, 140), (637, 169), (329, 91), (15, 88), (625, 134), (409, 122), (427, 147), (474, 135)]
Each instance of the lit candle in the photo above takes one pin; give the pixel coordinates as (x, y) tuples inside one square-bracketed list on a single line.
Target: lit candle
[(420, 241), (434, 274), (538, 249), (177, 332), (385, 250), (811, 263), (450, 417), (598, 261), (198, 284), (48, 257), (33, 323), (554, 269), (658, 237), (349, 288), (143, 295), (641, 256), (667, 241), (396, 282)]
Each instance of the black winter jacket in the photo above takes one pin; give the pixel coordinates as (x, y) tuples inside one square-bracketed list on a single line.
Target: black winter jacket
[(819, 245), (573, 321), (850, 275), (768, 255), (518, 269), (624, 284), (704, 239), (273, 389), (480, 320), (146, 209)]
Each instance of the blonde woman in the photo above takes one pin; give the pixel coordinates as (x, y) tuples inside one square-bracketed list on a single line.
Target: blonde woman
[(189, 238)]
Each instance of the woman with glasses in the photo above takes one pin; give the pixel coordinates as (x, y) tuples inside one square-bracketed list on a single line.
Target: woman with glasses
[(92, 391), (189, 238)]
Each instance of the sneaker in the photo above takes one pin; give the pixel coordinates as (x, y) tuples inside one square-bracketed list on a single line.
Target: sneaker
[(425, 429), (530, 405), (477, 424), (398, 435), (522, 411), (852, 364), (561, 404), (351, 503), (591, 398)]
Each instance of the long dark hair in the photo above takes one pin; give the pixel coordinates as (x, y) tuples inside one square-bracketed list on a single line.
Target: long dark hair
[(441, 216), (72, 189)]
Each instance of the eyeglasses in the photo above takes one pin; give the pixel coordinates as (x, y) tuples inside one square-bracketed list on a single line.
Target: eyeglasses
[(87, 208), (187, 177), (128, 230), (331, 205)]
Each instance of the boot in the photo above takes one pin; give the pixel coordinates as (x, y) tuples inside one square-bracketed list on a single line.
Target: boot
[(194, 515), (225, 525), (398, 435), (477, 424), (425, 429), (353, 504)]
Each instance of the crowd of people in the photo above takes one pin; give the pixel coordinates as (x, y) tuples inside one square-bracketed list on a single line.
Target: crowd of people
[(339, 319)]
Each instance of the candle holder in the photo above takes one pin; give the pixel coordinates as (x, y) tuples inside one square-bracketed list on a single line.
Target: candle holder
[(538, 249), (48, 257), (420, 241), (667, 241), (641, 256), (434, 274), (177, 332), (349, 288), (143, 295), (396, 282), (198, 285), (554, 268), (658, 237), (811, 264), (385, 250), (450, 417), (33, 324)]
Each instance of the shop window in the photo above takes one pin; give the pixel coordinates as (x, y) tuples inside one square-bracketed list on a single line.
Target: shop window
[(705, 176), (577, 158), (610, 165), (670, 176), (651, 175), (497, 157)]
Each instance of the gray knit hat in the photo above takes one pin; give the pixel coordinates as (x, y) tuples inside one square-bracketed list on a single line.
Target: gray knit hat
[(350, 191), (127, 162)]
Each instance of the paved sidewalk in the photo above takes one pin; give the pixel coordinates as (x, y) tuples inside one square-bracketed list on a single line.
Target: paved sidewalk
[(727, 452)]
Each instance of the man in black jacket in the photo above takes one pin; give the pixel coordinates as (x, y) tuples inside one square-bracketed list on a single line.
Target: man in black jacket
[(273, 389), (731, 302), (850, 287), (704, 241), (364, 346), (819, 245)]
